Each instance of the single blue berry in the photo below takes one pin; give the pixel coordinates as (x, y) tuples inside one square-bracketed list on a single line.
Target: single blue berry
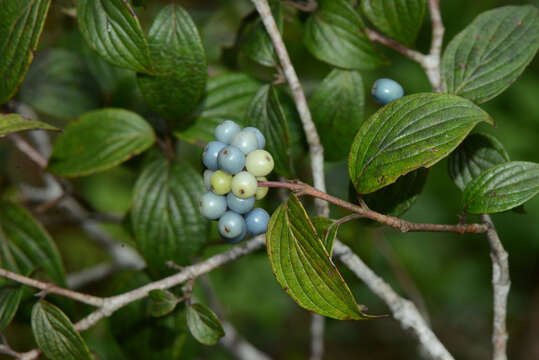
[(241, 206), (259, 136), (246, 141), (231, 225), (212, 206), (209, 156), (257, 221), (226, 131), (238, 238), (386, 90), (231, 160)]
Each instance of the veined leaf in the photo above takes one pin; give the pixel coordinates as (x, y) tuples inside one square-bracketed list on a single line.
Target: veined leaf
[(399, 19), (55, 334), (11, 123), (255, 41), (338, 110), (179, 61), (59, 84), (491, 53), (10, 297), (162, 302), (335, 34), (302, 265), (21, 23), (227, 98), (502, 187), (327, 230), (28, 242), (415, 131), (100, 140), (204, 324), (112, 29), (165, 217), (477, 153), (266, 113)]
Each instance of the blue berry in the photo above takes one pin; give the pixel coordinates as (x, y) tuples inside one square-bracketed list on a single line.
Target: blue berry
[(231, 225), (238, 238), (212, 206), (209, 156), (226, 131), (231, 160), (257, 221), (386, 90), (259, 136), (241, 206), (246, 141)]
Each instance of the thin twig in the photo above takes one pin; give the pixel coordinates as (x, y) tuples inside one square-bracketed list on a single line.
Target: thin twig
[(28, 150), (52, 288), (404, 311), (375, 36), (402, 225), (431, 65), (501, 284), (318, 324)]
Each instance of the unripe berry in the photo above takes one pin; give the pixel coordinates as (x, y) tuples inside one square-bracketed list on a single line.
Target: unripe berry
[(231, 159), (244, 185), (221, 182), (246, 141), (231, 225), (212, 206), (259, 163), (261, 191), (386, 90), (211, 151), (257, 221), (226, 131), (259, 136)]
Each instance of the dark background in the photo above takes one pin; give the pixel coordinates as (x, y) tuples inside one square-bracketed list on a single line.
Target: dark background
[(451, 272)]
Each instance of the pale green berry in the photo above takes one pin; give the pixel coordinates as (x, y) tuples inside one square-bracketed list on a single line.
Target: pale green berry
[(221, 182), (261, 191), (259, 162), (244, 185)]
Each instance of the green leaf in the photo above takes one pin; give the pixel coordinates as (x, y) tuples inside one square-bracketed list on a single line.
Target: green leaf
[(10, 123), (112, 29), (204, 324), (255, 41), (100, 140), (399, 19), (415, 131), (10, 297), (477, 153), (502, 187), (165, 217), (21, 23), (266, 112), (397, 198), (162, 302), (55, 334), (338, 110), (335, 34), (60, 85), (302, 265), (227, 98), (491, 53), (179, 62), (30, 245), (327, 230)]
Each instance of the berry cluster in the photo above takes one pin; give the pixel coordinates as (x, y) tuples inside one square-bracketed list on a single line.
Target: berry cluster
[(235, 163)]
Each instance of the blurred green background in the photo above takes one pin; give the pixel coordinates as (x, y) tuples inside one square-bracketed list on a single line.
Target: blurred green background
[(451, 272)]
